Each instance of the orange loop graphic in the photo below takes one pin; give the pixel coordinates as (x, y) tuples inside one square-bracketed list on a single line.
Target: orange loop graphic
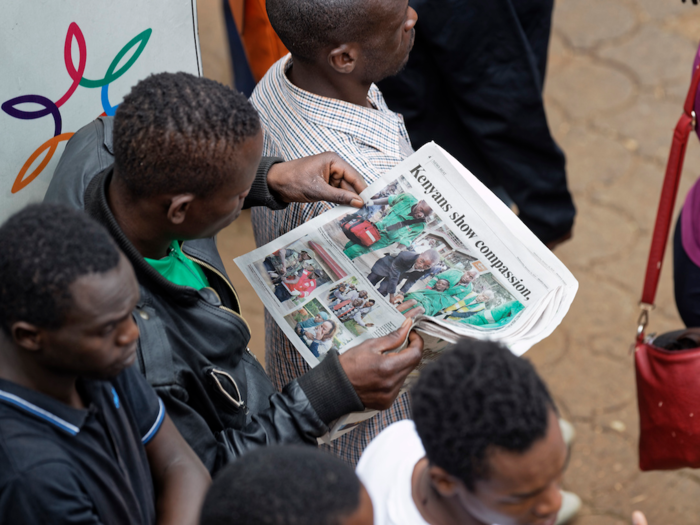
[(21, 181)]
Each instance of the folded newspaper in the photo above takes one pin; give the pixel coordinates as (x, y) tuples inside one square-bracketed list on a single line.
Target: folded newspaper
[(431, 243)]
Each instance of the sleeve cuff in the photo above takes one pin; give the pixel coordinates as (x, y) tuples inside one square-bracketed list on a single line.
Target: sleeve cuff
[(329, 390), (156, 425), (260, 194)]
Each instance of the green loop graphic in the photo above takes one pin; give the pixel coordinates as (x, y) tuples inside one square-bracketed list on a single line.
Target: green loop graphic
[(141, 39)]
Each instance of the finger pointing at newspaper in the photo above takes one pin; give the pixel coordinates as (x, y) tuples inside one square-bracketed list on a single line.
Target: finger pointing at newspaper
[(376, 375), (323, 177)]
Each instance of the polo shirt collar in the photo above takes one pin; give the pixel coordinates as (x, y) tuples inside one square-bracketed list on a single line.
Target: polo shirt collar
[(379, 128), (43, 407)]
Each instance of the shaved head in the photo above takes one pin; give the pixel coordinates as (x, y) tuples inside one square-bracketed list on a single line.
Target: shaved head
[(431, 255), (427, 259), (307, 27)]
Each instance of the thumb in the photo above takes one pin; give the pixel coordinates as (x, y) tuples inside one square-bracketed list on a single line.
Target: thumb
[(408, 358), (393, 340), (340, 170), (340, 196), (638, 518), (345, 186)]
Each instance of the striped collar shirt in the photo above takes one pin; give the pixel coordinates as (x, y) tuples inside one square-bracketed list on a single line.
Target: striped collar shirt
[(297, 123)]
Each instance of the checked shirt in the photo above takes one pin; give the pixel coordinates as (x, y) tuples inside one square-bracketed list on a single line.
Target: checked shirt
[(297, 124)]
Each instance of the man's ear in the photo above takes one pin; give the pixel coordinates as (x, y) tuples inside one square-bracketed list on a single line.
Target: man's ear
[(444, 483), (344, 58), (26, 336), (178, 208)]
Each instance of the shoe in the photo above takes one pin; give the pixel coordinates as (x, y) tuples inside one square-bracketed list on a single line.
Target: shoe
[(567, 431), (570, 505)]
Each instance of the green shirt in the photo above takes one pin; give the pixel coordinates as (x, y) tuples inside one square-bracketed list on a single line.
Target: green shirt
[(178, 269), (400, 210)]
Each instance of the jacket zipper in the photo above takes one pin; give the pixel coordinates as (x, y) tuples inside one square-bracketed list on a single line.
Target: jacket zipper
[(217, 272)]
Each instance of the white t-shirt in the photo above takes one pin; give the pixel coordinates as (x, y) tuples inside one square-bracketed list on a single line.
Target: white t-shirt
[(386, 468)]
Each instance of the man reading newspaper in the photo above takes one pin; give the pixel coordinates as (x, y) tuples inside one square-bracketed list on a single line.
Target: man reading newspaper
[(487, 275)]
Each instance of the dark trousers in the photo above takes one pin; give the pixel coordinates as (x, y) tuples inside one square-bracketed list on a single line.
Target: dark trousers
[(375, 279), (473, 84), (686, 282), (282, 293)]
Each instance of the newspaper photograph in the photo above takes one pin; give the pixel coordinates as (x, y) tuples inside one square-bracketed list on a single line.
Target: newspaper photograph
[(431, 243)]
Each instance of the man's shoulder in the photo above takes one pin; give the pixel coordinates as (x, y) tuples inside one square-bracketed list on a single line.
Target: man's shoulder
[(269, 86), (397, 443), (406, 257), (51, 491), (26, 447), (402, 197), (87, 153)]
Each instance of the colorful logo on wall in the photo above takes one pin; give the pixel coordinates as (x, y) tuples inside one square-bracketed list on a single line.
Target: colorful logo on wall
[(52, 108)]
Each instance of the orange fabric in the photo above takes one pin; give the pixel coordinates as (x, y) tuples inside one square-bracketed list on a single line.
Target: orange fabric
[(262, 44)]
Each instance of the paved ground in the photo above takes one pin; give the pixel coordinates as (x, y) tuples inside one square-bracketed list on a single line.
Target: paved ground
[(617, 77)]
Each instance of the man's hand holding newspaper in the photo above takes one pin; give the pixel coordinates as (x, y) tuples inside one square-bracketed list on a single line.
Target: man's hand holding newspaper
[(322, 177), (379, 389), (433, 244)]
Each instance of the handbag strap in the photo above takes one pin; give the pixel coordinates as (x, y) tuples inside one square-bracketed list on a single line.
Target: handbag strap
[(409, 222), (669, 192)]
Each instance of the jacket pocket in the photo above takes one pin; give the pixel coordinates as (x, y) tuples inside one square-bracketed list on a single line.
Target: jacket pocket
[(227, 393)]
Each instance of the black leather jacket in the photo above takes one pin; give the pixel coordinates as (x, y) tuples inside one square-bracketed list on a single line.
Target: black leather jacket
[(193, 344)]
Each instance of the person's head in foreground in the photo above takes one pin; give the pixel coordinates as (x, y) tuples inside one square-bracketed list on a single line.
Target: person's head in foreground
[(494, 450), (287, 486), (186, 151), (65, 299), (84, 437), (367, 39)]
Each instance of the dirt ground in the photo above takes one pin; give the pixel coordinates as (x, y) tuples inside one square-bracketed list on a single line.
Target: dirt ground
[(617, 76)]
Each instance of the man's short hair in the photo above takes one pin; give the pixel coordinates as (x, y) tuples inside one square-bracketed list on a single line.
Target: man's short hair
[(283, 485), (431, 255), (45, 248), (475, 398), (428, 212), (178, 133), (307, 27)]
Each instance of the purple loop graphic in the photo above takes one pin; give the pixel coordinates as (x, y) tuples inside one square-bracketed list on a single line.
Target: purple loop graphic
[(76, 74), (10, 107)]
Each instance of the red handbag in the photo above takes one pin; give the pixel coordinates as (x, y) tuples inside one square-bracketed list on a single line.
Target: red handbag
[(361, 231), (668, 381)]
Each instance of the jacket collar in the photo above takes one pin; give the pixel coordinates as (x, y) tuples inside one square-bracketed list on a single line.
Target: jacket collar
[(97, 207), (45, 408)]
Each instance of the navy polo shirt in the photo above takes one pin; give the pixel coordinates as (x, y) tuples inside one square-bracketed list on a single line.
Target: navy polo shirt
[(63, 465)]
